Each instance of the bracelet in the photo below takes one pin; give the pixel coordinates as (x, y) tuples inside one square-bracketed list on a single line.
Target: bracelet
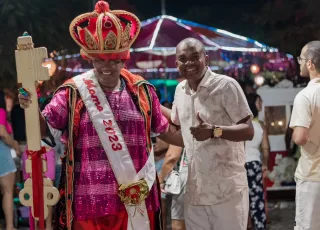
[(212, 131)]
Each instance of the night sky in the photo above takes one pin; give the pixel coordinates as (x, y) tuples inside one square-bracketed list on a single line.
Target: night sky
[(223, 14)]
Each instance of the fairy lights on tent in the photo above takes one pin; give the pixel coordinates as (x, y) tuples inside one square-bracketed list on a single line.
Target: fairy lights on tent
[(155, 34), (186, 24), (133, 70), (225, 42)]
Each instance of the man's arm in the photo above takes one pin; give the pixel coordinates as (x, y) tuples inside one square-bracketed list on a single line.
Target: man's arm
[(55, 114), (172, 136), (301, 120), (265, 147), (242, 131), (236, 106), (300, 135), (25, 102), (43, 126), (161, 116), (170, 160), (166, 112)]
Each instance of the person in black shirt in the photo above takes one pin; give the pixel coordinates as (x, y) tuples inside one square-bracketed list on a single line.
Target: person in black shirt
[(18, 124)]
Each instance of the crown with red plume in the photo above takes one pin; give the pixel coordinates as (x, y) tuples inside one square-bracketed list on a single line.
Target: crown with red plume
[(105, 34)]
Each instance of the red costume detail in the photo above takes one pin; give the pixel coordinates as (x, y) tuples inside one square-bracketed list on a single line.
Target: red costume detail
[(105, 34), (37, 184), (118, 221)]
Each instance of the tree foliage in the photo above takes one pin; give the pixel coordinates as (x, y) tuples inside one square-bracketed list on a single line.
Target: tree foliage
[(288, 24), (285, 24), (46, 21)]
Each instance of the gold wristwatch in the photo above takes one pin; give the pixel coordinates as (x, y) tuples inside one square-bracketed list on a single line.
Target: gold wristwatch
[(217, 132)]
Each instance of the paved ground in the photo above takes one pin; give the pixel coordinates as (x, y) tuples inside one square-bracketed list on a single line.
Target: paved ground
[(281, 216)]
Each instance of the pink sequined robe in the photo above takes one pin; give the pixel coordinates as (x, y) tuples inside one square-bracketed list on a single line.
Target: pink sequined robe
[(95, 185)]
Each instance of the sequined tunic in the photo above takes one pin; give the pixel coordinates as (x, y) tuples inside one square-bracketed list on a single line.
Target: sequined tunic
[(95, 185)]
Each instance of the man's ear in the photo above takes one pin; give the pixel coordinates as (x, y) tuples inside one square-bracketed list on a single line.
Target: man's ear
[(207, 60), (177, 64)]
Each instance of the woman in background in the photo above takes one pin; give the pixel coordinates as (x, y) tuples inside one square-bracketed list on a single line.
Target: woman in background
[(256, 166), (7, 168)]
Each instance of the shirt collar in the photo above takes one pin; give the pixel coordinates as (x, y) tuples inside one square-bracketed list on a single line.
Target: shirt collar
[(203, 83), (314, 81)]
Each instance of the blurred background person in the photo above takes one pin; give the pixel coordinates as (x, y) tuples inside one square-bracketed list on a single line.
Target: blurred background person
[(17, 119), (8, 168), (176, 158), (160, 148), (256, 167)]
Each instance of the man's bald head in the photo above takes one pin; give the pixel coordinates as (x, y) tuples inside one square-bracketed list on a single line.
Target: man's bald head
[(191, 59), (191, 43)]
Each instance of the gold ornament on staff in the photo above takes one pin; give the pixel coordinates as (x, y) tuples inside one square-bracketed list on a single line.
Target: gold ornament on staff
[(39, 189)]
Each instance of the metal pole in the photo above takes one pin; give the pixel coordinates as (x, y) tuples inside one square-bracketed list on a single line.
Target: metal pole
[(163, 7)]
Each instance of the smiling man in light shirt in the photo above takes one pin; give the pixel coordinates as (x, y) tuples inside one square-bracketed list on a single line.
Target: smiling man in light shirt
[(215, 120), (305, 121)]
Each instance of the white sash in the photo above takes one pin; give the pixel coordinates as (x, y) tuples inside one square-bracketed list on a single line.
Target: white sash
[(115, 147)]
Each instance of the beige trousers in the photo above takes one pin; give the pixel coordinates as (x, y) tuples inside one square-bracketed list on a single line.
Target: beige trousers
[(231, 215), (307, 205)]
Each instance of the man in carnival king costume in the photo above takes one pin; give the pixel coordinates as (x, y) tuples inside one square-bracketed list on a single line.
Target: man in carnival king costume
[(106, 117)]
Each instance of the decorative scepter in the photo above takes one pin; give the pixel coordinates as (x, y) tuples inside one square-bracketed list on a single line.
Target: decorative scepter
[(38, 188)]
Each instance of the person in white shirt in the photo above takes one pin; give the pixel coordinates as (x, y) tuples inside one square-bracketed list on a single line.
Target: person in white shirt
[(256, 166), (305, 122), (215, 119)]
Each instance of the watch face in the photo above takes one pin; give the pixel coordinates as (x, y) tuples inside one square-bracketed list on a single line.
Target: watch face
[(217, 132)]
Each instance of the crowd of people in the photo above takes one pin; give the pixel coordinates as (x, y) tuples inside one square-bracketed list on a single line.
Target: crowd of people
[(209, 143)]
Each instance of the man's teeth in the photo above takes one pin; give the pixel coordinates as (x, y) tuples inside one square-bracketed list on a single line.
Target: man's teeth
[(189, 70), (106, 73)]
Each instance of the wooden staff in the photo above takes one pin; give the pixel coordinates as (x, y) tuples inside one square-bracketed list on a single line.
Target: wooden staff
[(38, 188)]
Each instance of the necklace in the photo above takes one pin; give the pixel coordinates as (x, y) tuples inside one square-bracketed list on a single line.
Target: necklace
[(116, 95)]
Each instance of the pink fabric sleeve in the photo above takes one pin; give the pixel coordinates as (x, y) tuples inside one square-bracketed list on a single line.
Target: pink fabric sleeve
[(56, 113), (159, 124), (3, 117)]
